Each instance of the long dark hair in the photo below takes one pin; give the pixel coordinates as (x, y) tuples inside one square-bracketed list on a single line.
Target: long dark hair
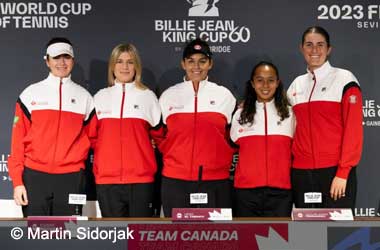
[(249, 105)]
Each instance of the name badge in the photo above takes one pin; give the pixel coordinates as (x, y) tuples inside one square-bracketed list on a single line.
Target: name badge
[(198, 198), (77, 199), (313, 197)]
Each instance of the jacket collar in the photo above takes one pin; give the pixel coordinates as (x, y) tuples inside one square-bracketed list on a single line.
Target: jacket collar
[(128, 85), (320, 72), (190, 83), (55, 79), (261, 104)]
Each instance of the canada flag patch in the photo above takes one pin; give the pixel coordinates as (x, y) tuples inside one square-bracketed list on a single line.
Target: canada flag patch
[(352, 99)]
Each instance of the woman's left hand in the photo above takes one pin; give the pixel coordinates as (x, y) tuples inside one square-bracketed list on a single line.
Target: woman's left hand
[(338, 188)]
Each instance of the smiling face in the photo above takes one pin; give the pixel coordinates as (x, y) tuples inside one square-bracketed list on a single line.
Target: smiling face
[(265, 82), (196, 67), (315, 50), (124, 70), (60, 66)]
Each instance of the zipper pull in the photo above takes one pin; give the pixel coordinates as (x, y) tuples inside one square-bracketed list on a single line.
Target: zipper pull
[(314, 83), (123, 88), (314, 79)]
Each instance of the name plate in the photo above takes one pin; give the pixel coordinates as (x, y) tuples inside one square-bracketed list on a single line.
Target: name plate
[(322, 214), (77, 199), (202, 214)]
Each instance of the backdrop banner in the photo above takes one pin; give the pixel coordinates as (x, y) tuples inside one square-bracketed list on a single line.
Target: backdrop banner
[(241, 33)]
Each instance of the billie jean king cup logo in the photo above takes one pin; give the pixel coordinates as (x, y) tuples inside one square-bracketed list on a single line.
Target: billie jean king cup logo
[(203, 8)]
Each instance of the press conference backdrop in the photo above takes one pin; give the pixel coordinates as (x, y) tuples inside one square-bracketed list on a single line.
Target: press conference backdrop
[(241, 33)]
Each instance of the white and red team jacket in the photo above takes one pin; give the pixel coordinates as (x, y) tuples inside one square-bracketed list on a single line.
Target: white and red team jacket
[(123, 151), (264, 148), (328, 107), (49, 129), (197, 133)]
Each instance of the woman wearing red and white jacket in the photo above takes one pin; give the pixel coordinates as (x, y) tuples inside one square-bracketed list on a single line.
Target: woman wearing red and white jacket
[(263, 129), (124, 160), (196, 153), (327, 146), (49, 140)]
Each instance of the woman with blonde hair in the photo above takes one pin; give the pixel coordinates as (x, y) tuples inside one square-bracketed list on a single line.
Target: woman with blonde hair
[(124, 160)]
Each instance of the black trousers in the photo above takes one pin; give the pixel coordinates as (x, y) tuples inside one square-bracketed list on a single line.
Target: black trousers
[(48, 194), (319, 180), (263, 202), (125, 200), (176, 194)]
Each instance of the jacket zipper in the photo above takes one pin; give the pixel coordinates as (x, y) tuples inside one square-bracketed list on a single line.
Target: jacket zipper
[(310, 121), (121, 134), (195, 123), (59, 121), (266, 141)]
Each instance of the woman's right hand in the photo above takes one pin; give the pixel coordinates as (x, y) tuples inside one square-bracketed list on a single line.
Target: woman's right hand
[(19, 195), (338, 188)]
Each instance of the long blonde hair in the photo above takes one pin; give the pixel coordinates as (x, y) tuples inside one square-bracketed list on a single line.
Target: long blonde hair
[(116, 52)]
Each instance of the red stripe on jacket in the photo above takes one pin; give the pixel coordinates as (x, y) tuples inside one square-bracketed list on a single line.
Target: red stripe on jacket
[(120, 135), (196, 131), (49, 133), (329, 125), (264, 148)]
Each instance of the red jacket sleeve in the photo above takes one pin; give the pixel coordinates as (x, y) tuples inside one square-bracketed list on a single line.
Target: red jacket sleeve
[(158, 134), (352, 141), (21, 126), (91, 128)]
